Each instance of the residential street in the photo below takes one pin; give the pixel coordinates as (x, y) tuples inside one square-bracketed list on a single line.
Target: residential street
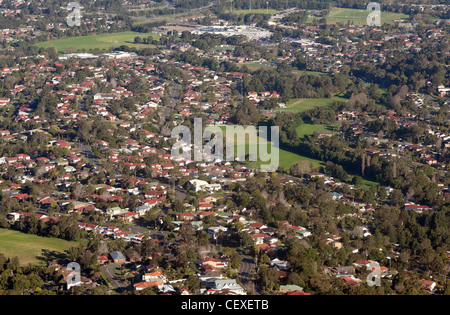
[(245, 273), (109, 272)]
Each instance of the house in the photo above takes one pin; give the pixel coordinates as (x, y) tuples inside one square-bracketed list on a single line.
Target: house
[(128, 216), (201, 185), (361, 263), (215, 230), (155, 276), (13, 216), (117, 257), (290, 288), (280, 264), (302, 233), (144, 285), (297, 293), (183, 291), (429, 285), (204, 214), (204, 206), (442, 90), (185, 216), (223, 285), (102, 260), (166, 289), (215, 262), (350, 279), (210, 199), (259, 238), (115, 211), (417, 208)]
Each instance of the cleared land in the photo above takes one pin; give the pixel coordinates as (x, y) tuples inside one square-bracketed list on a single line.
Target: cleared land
[(358, 17), (254, 66), (308, 129), (30, 248), (299, 105), (101, 41), (286, 158)]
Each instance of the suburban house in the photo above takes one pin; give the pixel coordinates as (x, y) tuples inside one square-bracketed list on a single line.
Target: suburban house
[(117, 257), (201, 185), (215, 262), (223, 285)]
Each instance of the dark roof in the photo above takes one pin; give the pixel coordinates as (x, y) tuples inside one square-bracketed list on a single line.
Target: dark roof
[(117, 256)]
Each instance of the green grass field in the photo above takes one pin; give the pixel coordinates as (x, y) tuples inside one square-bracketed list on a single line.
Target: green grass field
[(366, 184), (308, 129), (254, 66), (101, 41), (286, 158), (31, 248), (358, 17), (299, 105)]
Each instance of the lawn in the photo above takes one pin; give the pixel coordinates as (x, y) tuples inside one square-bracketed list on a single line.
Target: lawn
[(101, 41), (286, 158), (357, 16), (308, 129), (30, 248), (367, 184), (253, 65), (299, 105)]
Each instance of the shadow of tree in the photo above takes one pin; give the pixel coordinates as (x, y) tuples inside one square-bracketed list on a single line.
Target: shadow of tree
[(48, 255)]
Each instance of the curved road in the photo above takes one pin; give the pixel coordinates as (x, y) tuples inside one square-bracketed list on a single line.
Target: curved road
[(110, 273)]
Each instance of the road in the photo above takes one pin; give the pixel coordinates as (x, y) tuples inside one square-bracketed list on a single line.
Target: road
[(89, 155), (245, 273), (109, 272), (174, 94), (180, 193)]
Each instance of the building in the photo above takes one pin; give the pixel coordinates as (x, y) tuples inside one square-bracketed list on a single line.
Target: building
[(201, 185), (117, 257), (224, 285)]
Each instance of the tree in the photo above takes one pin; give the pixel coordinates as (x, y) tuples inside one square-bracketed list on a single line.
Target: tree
[(150, 291), (193, 283), (246, 239), (396, 197), (235, 260), (300, 168), (100, 290)]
